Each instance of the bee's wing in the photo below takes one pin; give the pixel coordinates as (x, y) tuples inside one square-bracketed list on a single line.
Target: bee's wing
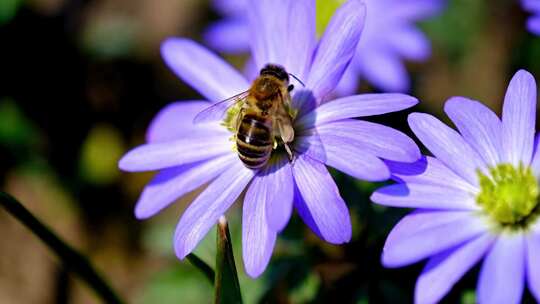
[(218, 110)]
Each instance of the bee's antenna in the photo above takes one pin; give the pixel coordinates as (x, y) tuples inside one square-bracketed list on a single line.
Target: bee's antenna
[(297, 79)]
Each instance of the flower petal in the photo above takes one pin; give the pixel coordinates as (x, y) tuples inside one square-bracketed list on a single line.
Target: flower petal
[(176, 121), (170, 184), (356, 106), (424, 233), (447, 145), (410, 42), (479, 126), (535, 163), (205, 210), (301, 37), (427, 196), (326, 208), (518, 118), (431, 171), (268, 31), (376, 139), (502, 277), (533, 264), (257, 238), (211, 76), (445, 269), (533, 25), (348, 84), (336, 48), (160, 155), (275, 186), (384, 69), (229, 36), (414, 10), (348, 157)]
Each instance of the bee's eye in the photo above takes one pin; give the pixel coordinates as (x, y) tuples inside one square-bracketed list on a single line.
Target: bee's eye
[(290, 87)]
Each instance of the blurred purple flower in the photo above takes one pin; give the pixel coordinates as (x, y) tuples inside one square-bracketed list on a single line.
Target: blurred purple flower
[(477, 197), (389, 37), (189, 156), (533, 6)]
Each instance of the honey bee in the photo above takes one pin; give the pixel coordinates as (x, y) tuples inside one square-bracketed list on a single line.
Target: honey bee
[(263, 118)]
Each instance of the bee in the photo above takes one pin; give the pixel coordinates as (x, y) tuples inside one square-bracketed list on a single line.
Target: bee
[(263, 118)]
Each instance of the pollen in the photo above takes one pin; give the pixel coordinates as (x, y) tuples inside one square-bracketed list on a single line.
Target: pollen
[(509, 195)]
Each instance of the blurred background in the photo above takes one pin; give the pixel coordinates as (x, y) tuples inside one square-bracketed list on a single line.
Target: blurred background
[(81, 79)]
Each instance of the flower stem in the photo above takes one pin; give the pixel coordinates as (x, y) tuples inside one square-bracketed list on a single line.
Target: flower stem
[(72, 259), (227, 287), (202, 266)]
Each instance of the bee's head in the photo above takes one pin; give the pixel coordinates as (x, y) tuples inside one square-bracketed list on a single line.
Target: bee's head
[(276, 71)]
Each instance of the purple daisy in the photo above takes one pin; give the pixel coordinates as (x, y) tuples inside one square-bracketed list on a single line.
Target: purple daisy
[(190, 155), (478, 197), (389, 36), (533, 6)]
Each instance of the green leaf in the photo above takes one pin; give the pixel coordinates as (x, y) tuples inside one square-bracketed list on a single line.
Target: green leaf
[(227, 287), (72, 259)]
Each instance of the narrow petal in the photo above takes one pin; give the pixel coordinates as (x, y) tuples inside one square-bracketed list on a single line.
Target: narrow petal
[(502, 277), (518, 119), (410, 42), (424, 196), (357, 106), (533, 25), (535, 163), (415, 10), (211, 76), (445, 269), (384, 69), (323, 201), (479, 126), (205, 210), (447, 145), (275, 186), (230, 7), (175, 121), (301, 37), (431, 171), (170, 184), (268, 31), (257, 238), (155, 156), (229, 36), (533, 264), (348, 84), (336, 48), (426, 233), (348, 157), (376, 139)]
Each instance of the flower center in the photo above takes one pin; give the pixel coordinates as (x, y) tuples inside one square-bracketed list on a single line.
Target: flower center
[(509, 194)]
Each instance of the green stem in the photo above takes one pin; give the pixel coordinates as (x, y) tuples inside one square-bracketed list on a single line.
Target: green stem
[(202, 266), (227, 287), (73, 260)]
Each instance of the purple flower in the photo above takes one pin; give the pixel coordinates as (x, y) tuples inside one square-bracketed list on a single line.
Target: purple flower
[(389, 36), (533, 6), (190, 155), (476, 198)]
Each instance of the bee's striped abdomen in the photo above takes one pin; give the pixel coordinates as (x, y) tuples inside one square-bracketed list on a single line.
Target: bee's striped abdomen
[(253, 142)]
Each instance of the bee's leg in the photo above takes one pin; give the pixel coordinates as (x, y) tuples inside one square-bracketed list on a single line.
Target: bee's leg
[(292, 157)]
